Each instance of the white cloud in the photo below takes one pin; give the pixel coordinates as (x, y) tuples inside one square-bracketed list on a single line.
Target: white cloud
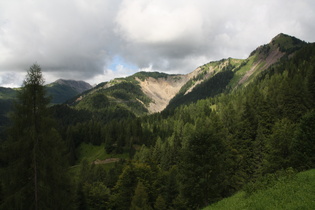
[(159, 22), (11, 79)]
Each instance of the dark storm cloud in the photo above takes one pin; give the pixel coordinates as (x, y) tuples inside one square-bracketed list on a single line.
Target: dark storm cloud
[(79, 39)]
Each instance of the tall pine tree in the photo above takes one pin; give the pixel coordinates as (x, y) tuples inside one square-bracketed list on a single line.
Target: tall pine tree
[(35, 173)]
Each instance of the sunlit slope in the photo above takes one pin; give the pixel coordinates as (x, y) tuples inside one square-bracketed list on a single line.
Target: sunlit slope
[(294, 193)]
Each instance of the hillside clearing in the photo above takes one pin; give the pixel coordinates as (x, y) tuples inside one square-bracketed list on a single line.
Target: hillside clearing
[(97, 155)]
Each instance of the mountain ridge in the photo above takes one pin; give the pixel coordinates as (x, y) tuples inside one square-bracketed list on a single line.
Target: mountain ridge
[(160, 91)]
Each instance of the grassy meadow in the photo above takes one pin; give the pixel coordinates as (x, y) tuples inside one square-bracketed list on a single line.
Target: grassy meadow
[(298, 192)]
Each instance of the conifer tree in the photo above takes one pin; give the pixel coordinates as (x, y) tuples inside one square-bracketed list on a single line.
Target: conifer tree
[(35, 173)]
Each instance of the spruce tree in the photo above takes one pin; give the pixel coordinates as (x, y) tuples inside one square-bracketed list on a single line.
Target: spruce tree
[(35, 172)]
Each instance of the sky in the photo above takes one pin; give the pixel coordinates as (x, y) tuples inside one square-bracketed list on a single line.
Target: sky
[(98, 40)]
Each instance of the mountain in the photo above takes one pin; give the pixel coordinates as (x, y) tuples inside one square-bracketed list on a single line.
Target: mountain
[(141, 93), (62, 90), (78, 86), (281, 47), (151, 92), (227, 74)]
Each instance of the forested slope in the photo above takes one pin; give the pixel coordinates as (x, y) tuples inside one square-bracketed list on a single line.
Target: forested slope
[(208, 150)]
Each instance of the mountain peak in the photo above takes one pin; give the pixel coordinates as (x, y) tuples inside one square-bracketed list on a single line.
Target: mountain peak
[(280, 36), (282, 43), (287, 43)]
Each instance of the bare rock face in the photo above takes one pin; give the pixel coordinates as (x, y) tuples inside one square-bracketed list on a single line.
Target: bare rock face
[(162, 90)]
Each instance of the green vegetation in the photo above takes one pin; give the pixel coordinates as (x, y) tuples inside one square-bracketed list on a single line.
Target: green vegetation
[(287, 43), (296, 192), (241, 70), (207, 71), (156, 75), (215, 77), (125, 95), (209, 88)]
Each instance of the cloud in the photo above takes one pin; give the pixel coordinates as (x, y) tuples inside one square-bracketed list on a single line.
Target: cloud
[(80, 39), (160, 32), (158, 22), (69, 37), (11, 79)]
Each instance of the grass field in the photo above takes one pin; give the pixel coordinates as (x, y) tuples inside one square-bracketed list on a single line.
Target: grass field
[(295, 193)]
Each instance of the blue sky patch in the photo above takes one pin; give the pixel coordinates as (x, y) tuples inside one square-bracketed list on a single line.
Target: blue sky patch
[(118, 60)]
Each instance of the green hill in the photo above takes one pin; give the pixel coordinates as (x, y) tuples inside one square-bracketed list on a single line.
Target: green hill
[(123, 93), (297, 192)]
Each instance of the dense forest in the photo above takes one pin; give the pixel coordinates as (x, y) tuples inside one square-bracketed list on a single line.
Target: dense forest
[(195, 153)]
